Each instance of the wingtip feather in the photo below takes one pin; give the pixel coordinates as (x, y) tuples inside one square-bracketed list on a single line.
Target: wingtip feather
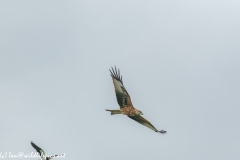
[(162, 132), (115, 73)]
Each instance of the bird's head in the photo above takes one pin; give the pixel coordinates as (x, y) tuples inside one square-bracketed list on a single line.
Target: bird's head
[(139, 112)]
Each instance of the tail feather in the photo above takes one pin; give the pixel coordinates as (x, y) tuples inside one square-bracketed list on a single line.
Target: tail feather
[(114, 111)]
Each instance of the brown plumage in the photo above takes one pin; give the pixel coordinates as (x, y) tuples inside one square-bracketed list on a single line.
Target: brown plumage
[(124, 101)]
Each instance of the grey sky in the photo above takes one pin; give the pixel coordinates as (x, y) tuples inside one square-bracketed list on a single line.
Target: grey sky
[(179, 61)]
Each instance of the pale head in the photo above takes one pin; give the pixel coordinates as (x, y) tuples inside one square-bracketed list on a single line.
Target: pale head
[(139, 113)]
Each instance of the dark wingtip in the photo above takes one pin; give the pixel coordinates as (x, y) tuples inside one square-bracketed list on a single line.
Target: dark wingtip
[(115, 73), (111, 72), (162, 131)]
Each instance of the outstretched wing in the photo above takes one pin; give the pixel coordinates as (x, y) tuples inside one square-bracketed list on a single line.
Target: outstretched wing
[(146, 123), (38, 149), (122, 95)]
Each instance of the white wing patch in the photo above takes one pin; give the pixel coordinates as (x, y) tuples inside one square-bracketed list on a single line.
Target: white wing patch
[(118, 85)]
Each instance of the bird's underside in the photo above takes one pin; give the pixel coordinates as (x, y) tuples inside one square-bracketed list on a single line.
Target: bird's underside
[(128, 111), (124, 101)]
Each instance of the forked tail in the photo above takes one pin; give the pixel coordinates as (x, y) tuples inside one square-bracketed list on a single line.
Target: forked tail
[(114, 111)]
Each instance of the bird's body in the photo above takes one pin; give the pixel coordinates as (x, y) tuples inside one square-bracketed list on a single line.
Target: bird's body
[(124, 101), (128, 111)]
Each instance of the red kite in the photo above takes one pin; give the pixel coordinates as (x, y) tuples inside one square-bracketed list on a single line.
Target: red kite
[(124, 101)]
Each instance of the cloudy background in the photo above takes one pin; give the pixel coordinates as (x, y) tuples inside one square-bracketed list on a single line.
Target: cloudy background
[(179, 61)]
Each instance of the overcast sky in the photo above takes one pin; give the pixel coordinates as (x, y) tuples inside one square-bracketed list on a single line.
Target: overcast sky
[(179, 61)]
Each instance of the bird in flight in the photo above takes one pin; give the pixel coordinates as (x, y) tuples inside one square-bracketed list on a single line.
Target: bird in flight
[(124, 101), (41, 152)]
